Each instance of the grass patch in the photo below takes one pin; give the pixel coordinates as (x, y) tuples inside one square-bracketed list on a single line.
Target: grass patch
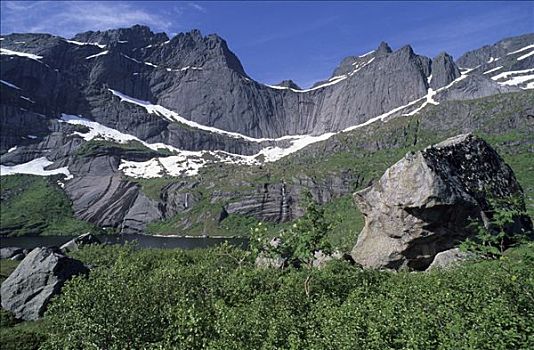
[(101, 147), (6, 267), (36, 205)]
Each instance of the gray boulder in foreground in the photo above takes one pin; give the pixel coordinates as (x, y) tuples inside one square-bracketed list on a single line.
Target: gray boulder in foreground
[(80, 241), (422, 204), (449, 258), (40, 276)]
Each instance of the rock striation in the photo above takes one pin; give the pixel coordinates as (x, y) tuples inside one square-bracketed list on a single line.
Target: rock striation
[(40, 276), (422, 205)]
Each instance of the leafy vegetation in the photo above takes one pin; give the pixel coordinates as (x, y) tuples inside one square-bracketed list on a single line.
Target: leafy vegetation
[(492, 239), (298, 242), (6, 267), (33, 205), (216, 299), (15, 335)]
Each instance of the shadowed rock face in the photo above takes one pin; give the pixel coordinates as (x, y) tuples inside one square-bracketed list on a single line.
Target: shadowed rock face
[(201, 79), (422, 204), (40, 276)]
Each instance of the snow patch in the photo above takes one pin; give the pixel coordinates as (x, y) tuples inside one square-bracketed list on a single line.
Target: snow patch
[(98, 54), (522, 49), (366, 54), (99, 131), (79, 43), (131, 58), (27, 99), (35, 167), (518, 80), (525, 56), (12, 149), (20, 54), (492, 70), (504, 75), (10, 84)]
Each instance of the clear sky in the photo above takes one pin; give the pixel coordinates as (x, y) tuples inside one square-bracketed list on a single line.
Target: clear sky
[(303, 41)]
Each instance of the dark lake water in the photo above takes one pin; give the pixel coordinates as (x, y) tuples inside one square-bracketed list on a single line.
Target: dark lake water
[(143, 241)]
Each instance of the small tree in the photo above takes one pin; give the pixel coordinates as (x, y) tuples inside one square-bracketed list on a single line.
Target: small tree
[(300, 241), (491, 240)]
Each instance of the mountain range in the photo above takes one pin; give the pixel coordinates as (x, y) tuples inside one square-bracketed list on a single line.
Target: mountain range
[(139, 132)]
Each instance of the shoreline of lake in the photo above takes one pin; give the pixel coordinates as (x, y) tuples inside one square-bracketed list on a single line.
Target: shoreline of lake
[(143, 241)]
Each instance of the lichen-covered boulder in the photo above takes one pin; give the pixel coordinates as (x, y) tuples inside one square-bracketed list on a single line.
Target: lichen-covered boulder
[(40, 276), (423, 203)]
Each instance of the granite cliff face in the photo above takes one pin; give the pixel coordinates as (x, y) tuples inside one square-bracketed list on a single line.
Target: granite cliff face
[(202, 80), (144, 97)]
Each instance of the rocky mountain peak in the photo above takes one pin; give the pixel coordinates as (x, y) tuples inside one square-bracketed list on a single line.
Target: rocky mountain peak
[(196, 49), (289, 84), (349, 63), (135, 36), (383, 49), (405, 51), (444, 70)]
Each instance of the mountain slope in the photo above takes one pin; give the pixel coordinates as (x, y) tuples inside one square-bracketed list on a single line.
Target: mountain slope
[(173, 131)]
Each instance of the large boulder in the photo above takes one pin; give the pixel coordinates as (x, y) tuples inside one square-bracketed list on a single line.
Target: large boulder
[(422, 204), (80, 241), (40, 276)]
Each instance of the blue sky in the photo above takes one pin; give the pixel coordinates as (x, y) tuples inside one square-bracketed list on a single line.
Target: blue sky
[(303, 41)]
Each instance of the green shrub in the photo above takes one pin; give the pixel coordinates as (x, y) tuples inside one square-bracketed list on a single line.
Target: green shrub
[(216, 299), (492, 239)]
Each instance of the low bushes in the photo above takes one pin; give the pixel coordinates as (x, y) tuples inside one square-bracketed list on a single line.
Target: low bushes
[(216, 299)]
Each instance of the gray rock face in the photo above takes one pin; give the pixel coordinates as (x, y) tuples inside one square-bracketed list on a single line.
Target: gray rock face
[(472, 87), (40, 276), (280, 202), (201, 79), (9, 252), (101, 196), (482, 55), (449, 258), (422, 204), (79, 242), (444, 71)]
